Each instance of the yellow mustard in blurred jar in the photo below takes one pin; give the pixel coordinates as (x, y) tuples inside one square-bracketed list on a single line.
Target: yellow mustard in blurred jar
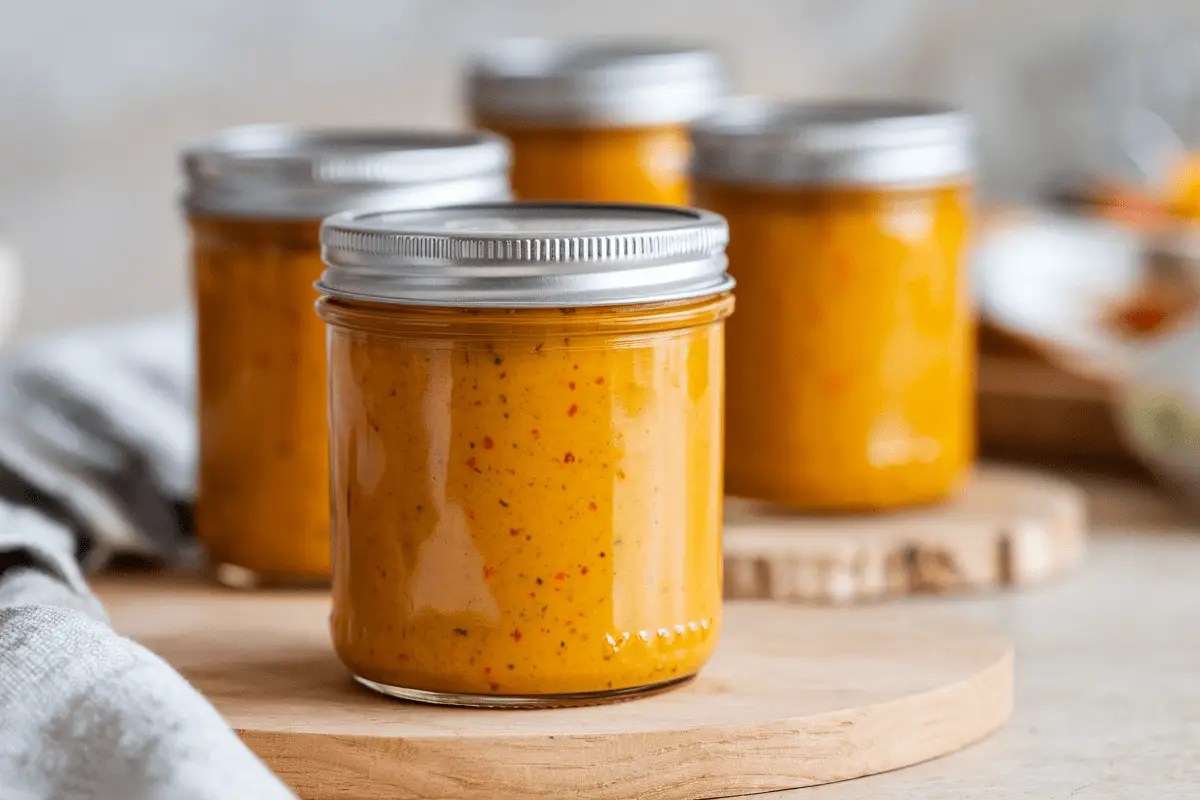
[(599, 121), (1183, 188), (850, 363), (526, 438), (255, 201)]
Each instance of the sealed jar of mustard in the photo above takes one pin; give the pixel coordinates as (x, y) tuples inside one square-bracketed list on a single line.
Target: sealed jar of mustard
[(850, 363), (255, 200), (596, 122), (526, 439)]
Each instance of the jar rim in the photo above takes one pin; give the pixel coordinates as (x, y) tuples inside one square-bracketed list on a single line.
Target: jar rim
[(846, 142), (525, 255), (294, 171), (600, 82)]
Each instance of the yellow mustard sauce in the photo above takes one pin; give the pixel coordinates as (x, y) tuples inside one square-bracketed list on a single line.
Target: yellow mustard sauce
[(850, 362), (1183, 188), (263, 475), (526, 502), (635, 165)]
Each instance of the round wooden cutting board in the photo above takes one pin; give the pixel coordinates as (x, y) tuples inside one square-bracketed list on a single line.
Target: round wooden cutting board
[(793, 697), (1006, 528)]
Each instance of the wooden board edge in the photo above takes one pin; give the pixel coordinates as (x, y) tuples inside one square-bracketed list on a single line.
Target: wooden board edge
[(788, 754), (834, 569)]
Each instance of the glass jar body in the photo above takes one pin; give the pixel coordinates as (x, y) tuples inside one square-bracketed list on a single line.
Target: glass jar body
[(262, 506), (598, 164), (851, 360), (526, 504)]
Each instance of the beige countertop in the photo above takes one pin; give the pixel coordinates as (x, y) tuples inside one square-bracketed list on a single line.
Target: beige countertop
[(1108, 673)]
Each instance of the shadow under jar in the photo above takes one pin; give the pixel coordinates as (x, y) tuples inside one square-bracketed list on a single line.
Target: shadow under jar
[(851, 361), (255, 201), (596, 122), (526, 436)]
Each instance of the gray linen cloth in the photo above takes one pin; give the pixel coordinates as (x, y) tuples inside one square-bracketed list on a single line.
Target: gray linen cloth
[(97, 459)]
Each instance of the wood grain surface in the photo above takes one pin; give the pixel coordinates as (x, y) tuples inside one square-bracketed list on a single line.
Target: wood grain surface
[(1007, 528), (794, 697)]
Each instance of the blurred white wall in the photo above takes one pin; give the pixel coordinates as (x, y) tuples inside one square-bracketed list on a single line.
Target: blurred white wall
[(96, 97)]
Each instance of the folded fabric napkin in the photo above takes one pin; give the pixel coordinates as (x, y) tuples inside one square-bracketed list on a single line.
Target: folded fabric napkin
[(97, 458)]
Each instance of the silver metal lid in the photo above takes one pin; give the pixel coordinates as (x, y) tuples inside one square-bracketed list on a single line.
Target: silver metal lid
[(516, 255), (846, 142), (602, 84), (304, 173)]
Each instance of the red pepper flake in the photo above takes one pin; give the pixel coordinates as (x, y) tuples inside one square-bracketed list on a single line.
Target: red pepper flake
[(503, 375), (470, 515), (495, 687), (592, 506), (516, 634), (600, 380), (569, 458), (488, 444), (534, 433), (582, 571), (573, 410), (533, 595), (487, 670), (571, 386), (620, 474), (488, 571), (477, 403), (561, 576), (515, 531), (576, 366), (471, 462), (544, 630)]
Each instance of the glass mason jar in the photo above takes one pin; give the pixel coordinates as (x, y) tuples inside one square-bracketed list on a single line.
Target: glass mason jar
[(255, 200), (851, 362), (526, 440), (596, 122)]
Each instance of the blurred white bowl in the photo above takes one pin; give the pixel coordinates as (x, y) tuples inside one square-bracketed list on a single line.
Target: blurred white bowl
[(1053, 280), (1061, 284)]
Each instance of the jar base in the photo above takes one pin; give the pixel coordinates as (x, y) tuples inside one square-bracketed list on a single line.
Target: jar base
[(804, 498), (232, 576), (521, 701)]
